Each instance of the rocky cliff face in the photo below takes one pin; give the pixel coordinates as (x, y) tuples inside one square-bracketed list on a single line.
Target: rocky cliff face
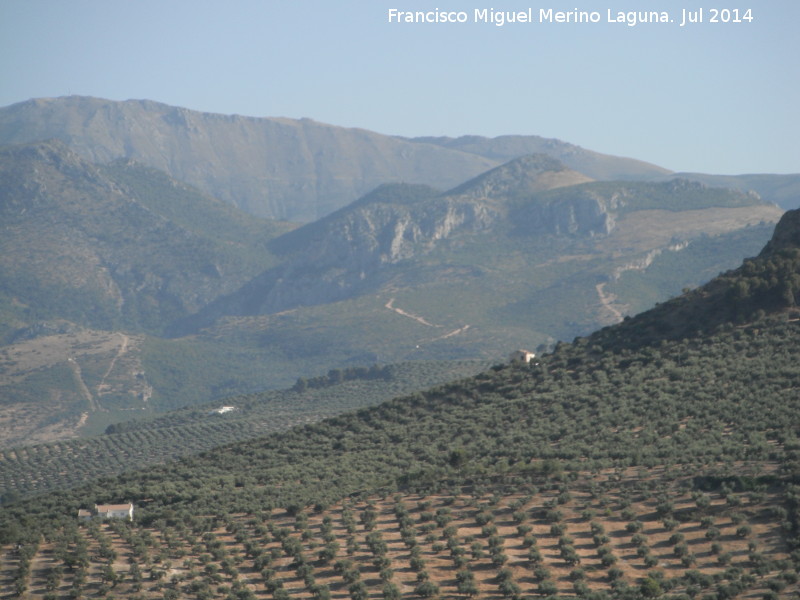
[(350, 251), (279, 168), (581, 213), (584, 214), (593, 209), (355, 249)]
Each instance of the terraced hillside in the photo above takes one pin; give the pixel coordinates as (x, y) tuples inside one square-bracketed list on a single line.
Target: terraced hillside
[(620, 532)]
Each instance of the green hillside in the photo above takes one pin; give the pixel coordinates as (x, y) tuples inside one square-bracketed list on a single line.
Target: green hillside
[(502, 261), (704, 258), (581, 408), (93, 258), (656, 458), (114, 247), (124, 292), (132, 445), (611, 400)]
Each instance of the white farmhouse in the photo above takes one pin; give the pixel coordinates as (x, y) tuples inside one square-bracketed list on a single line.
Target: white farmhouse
[(114, 511), (108, 511)]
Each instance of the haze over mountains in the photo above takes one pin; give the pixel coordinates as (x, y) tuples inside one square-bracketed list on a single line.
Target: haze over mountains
[(301, 170), (279, 168), (132, 279)]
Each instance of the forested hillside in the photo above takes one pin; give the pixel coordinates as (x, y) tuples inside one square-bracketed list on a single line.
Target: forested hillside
[(133, 445), (657, 456), (93, 260), (583, 407), (590, 468), (125, 292)]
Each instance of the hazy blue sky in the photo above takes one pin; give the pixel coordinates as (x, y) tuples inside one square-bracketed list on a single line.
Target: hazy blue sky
[(721, 98)]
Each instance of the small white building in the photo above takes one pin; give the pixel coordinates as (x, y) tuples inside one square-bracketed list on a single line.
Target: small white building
[(222, 410), (108, 511), (521, 356), (114, 511)]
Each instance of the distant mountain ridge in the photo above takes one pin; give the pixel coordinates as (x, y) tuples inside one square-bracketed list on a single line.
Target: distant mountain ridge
[(389, 239), (508, 147), (783, 190), (275, 167)]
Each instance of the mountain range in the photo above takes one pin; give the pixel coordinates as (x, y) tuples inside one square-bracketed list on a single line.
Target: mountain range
[(301, 170), (657, 457), (148, 262)]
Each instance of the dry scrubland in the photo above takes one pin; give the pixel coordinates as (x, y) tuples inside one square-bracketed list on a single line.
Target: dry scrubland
[(562, 541), (95, 366)]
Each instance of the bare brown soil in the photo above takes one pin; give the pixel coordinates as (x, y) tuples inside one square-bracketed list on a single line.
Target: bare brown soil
[(66, 402), (222, 555)]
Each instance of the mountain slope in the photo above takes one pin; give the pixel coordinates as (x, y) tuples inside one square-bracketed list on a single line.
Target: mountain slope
[(504, 247), (103, 246), (133, 445), (522, 255), (783, 190), (594, 404), (605, 469), (302, 170), (507, 147), (92, 258), (767, 283), (280, 168)]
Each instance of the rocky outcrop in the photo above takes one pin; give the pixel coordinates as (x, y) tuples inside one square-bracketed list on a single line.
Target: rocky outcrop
[(582, 212), (354, 249), (350, 251), (593, 209), (786, 235), (581, 215)]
